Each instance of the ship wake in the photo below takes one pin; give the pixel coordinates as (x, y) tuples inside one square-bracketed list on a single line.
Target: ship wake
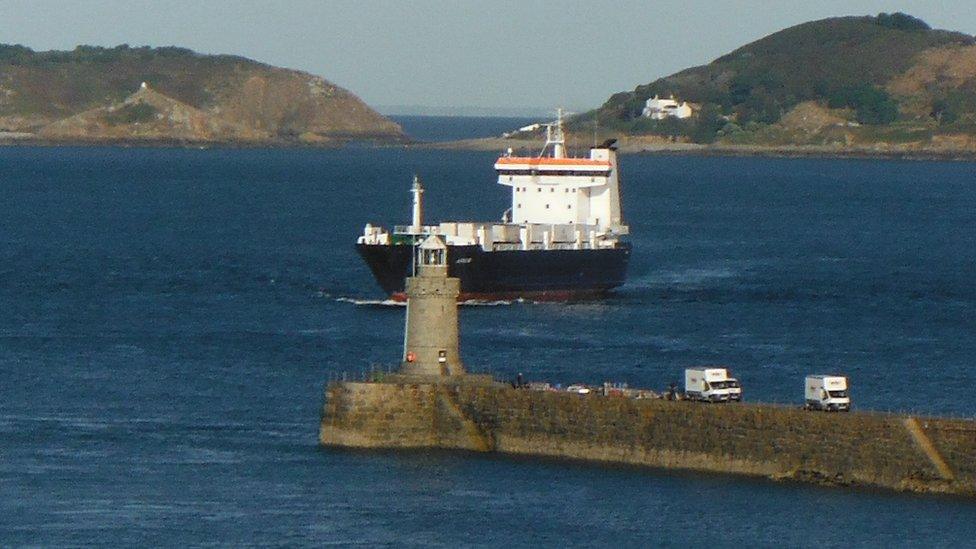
[(465, 303)]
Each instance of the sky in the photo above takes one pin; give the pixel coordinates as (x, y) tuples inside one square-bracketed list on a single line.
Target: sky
[(501, 56)]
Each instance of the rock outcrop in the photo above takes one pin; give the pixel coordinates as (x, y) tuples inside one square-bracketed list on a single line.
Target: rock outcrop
[(148, 115)]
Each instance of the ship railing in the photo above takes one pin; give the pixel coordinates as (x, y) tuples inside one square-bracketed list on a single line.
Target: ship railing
[(411, 230)]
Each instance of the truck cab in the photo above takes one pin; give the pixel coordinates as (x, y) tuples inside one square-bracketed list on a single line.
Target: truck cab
[(826, 392), (711, 385), (735, 389)]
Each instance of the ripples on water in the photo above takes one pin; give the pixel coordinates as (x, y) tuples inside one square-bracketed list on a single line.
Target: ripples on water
[(169, 318)]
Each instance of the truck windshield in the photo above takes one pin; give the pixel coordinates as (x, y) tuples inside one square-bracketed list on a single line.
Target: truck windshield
[(720, 385), (837, 394)]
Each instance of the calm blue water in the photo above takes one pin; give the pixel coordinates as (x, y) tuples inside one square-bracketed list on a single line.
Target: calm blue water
[(168, 319)]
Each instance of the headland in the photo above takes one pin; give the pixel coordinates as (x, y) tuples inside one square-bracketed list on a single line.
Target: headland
[(885, 86), (174, 97)]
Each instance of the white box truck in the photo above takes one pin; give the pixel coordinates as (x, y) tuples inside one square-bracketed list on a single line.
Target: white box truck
[(823, 392), (711, 385)]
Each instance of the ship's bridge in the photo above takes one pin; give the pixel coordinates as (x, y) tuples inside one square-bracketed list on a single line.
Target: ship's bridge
[(583, 167), (563, 190)]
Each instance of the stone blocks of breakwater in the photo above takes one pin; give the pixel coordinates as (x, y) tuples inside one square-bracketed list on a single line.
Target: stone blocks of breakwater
[(858, 448)]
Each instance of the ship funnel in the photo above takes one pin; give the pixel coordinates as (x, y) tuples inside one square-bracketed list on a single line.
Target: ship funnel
[(417, 221)]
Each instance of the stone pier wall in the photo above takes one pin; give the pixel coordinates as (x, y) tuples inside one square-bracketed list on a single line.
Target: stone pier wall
[(933, 455)]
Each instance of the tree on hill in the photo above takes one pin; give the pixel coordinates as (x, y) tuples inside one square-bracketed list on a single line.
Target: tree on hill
[(956, 107), (707, 125), (901, 21), (871, 104)]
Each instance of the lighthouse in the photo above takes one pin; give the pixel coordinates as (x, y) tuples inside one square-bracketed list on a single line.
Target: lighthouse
[(430, 342)]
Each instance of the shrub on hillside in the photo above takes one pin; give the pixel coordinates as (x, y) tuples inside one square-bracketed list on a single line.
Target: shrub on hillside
[(669, 127), (133, 114), (871, 104), (901, 21), (957, 106), (708, 124)]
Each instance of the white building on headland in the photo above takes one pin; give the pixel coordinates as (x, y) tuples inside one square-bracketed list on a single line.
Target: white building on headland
[(659, 109)]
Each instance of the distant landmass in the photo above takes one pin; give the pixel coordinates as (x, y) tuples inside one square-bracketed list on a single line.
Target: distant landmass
[(174, 95), (466, 111), (886, 83)]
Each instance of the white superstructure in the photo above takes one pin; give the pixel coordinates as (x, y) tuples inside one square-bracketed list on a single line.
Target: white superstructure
[(558, 202), (555, 189)]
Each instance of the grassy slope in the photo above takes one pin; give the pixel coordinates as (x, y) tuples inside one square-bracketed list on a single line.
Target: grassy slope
[(62, 83)]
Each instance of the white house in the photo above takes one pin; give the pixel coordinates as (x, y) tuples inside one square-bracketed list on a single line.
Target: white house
[(659, 109)]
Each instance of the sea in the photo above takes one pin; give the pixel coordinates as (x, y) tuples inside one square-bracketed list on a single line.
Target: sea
[(170, 317)]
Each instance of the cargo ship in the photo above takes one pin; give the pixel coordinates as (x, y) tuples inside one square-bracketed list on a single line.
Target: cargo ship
[(562, 239)]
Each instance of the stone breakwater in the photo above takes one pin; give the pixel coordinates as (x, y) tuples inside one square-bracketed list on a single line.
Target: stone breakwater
[(897, 452)]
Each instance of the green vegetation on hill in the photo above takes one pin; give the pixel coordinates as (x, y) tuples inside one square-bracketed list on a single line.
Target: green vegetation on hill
[(845, 64), (59, 83), (133, 114), (21, 55), (871, 104)]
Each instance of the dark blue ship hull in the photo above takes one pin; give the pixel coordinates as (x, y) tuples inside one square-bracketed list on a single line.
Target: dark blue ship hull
[(509, 274)]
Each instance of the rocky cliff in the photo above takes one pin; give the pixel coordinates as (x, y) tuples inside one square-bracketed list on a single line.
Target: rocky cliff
[(175, 95)]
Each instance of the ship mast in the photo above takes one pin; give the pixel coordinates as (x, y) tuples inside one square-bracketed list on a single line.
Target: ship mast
[(555, 137), (417, 221)]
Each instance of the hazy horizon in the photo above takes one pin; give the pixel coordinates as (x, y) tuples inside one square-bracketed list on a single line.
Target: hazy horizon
[(433, 56)]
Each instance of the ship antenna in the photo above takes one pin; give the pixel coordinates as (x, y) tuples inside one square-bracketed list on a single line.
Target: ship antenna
[(417, 220), (555, 137)]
